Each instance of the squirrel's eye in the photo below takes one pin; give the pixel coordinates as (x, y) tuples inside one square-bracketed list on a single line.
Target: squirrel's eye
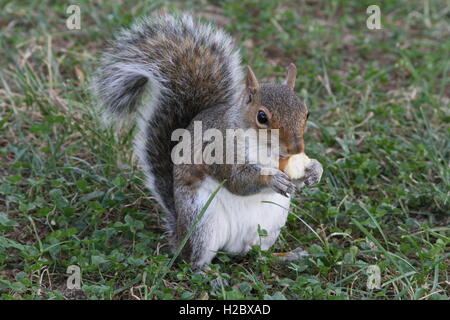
[(262, 117), (307, 116)]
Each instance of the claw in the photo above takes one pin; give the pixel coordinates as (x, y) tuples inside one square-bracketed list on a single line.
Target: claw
[(282, 184), (296, 254), (314, 173)]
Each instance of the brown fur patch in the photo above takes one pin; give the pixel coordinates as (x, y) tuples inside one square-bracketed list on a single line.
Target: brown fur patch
[(282, 163)]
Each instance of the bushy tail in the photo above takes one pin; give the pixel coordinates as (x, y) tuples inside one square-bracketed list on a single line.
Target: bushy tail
[(190, 67)]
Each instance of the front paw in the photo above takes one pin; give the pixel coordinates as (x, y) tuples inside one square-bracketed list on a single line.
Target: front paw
[(313, 173), (282, 184)]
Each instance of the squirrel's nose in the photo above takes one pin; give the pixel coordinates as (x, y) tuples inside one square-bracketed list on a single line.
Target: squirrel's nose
[(296, 146)]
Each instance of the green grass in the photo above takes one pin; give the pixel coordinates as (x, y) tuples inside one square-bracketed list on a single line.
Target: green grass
[(71, 193)]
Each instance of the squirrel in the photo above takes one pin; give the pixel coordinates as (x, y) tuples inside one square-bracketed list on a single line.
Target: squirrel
[(171, 71)]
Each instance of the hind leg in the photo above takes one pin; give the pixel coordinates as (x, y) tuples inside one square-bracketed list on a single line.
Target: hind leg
[(200, 245), (190, 199)]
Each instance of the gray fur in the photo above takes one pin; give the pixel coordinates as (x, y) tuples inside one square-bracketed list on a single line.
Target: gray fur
[(161, 52), (192, 72)]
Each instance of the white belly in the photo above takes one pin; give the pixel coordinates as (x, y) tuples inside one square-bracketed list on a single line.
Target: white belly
[(234, 220)]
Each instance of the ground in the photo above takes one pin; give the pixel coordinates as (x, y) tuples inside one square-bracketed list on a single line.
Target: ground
[(71, 192)]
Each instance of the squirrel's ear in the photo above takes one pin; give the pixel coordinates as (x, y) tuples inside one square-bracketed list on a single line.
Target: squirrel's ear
[(251, 83), (291, 75)]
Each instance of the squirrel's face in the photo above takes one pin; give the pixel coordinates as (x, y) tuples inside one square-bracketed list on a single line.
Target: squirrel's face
[(276, 106)]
